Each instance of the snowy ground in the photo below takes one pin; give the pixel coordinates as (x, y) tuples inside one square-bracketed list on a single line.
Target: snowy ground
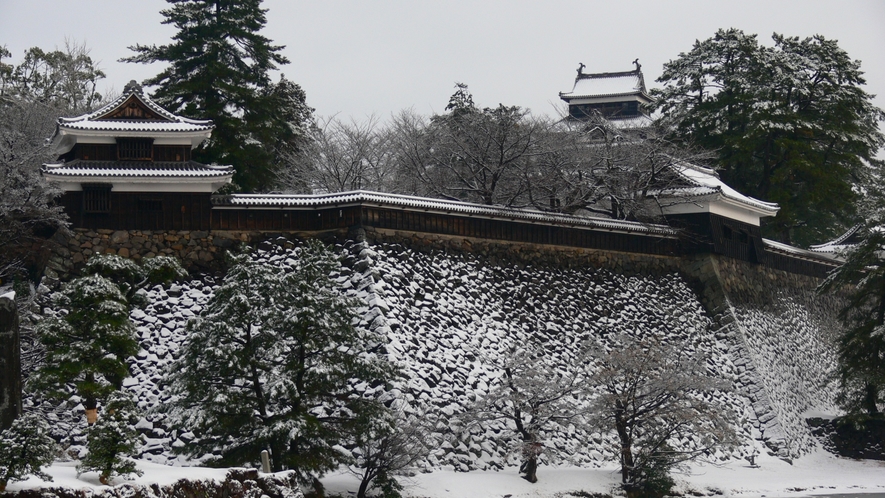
[(816, 474)]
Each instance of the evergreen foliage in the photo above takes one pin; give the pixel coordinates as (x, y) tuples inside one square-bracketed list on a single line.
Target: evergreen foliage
[(88, 345), (111, 439), (24, 449), (861, 346), (271, 362), (132, 277), (790, 124), (219, 69), (89, 342)]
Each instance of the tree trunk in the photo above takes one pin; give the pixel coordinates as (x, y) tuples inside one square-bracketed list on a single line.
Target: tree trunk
[(626, 451), (91, 402), (871, 395), (276, 457), (364, 485), (529, 469), (10, 364)]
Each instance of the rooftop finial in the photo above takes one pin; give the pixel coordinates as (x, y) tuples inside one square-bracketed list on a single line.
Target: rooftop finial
[(638, 65), (581, 68), (132, 86)]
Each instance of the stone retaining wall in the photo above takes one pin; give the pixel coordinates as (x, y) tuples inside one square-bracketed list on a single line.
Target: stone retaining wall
[(203, 250), (777, 331)]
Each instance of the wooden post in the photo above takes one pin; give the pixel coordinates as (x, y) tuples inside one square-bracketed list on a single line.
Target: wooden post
[(10, 362)]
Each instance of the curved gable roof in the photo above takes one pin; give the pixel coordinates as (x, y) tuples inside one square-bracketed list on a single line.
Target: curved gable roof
[(134, 111)]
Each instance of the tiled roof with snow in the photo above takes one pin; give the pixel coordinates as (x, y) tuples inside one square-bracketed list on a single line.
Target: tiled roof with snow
[(93, 121), (607, 85), (156, 169), (838, 245), (775, 246), (438, 205), (703, 182), (136, 126)]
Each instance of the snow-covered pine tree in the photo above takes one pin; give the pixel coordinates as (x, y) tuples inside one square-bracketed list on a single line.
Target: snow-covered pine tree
[(132, 277), (25, 448), (790, 124), (88, 342), (862, 343), (270, 364), (219, 68), (112, 439)]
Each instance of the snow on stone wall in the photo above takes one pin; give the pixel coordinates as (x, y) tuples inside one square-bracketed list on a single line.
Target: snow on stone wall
[(449, 316), (787, 338)]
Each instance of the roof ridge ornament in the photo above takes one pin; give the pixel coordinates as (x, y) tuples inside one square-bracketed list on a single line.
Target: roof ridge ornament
[(133, 87), (637, 64)]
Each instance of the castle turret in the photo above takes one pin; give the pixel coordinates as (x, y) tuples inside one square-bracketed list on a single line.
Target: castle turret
[(620, 97), (129, 164)]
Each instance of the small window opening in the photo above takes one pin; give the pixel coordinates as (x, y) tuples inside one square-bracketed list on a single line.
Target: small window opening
[(97, 198), (136, 149)]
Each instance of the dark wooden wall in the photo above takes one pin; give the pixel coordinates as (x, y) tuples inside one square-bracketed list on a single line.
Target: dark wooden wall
[(702, 233), (705, 232), (143, 211), (444, 224)]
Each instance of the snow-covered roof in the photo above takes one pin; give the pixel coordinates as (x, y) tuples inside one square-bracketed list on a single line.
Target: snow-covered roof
[(630, 122), (705, 183), (607, 85), (146, 176), (438, 205), (775, 246), (89, 170), (132, 114), (104, 119), (135, 126), (837, 246)]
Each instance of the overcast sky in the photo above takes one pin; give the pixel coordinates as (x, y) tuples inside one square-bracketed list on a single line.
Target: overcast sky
[(355, 59)]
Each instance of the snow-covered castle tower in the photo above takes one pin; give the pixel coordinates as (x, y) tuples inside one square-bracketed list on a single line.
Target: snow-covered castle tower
[(128, 166), (620, 97)]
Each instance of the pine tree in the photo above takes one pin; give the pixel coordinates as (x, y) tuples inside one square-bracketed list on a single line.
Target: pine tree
[(25, 448), (790, 124), (219, 69), (111, 439), (88, 344), (270, 363), (861, 347)]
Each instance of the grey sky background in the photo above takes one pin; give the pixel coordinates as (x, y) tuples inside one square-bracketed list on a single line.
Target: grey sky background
[(355, 59)]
